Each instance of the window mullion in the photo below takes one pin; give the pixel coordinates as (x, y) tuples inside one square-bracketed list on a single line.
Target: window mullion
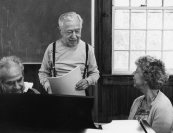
[(130, 14), (162, 34), (129, 35), (113, 32), (146, 38)]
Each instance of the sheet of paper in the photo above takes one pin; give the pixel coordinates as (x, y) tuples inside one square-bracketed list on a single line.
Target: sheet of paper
[(27, 86), (124, 126), (66, 84)]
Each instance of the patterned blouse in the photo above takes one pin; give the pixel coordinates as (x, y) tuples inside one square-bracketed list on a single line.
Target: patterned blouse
[(141, 114)]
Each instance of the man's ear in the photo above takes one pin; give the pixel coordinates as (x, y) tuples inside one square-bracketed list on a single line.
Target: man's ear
[(1, 85), (2, 89), (60, 32)]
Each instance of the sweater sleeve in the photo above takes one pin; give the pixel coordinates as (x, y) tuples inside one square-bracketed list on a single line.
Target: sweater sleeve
[(44, 71), (93, 73), (163, 118)]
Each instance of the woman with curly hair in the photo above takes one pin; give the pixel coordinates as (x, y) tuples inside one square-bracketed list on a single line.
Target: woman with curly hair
[(153, 106)]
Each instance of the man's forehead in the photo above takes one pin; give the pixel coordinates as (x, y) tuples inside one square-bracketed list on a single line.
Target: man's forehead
[(74, 18), (12, 72), (72, 22)]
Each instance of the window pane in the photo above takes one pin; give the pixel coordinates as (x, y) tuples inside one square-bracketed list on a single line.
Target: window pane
[(121, 40), (138, 40), (154, 19), (168, 2), (133, 57), (142, 31), (167, 58), (121, 60), (121, 19), (138, 19), (137, 2), (155, 54), (154, 40), (168, 19), (156, 3), (121, 2), (168, 40)]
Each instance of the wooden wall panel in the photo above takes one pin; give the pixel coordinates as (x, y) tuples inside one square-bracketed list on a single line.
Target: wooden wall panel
[(31, 75), (117, 99)]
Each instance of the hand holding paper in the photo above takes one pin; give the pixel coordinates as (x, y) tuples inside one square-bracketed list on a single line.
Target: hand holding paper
[(82, 84)]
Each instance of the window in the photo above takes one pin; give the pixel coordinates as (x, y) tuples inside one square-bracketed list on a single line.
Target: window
[(141, 27)]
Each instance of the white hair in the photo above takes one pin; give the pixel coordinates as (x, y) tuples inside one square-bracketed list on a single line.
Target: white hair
[(69, 16), (9, 62)]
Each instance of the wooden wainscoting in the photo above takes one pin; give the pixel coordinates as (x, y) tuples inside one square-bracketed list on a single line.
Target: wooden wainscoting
[(31, 75), (116, 95)]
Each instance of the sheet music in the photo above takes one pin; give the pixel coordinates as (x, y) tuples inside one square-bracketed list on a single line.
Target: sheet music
[(66, 84)]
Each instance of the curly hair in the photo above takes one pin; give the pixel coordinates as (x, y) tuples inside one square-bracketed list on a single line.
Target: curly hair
[(153, 70), (8, 62)]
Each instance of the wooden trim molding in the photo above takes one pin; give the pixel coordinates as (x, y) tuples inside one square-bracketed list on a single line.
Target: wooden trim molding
[(125, 80)]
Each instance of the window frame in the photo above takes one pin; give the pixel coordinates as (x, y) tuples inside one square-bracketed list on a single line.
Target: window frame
[(114, 8)]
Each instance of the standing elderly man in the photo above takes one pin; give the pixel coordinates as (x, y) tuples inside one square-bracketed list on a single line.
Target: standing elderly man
[(12, 76), (70, 52)]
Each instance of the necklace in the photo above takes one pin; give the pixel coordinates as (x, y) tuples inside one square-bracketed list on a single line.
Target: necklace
[(147, 104), (152, 99)]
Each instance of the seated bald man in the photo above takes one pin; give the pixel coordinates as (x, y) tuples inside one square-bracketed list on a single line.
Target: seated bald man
[(12, 76)]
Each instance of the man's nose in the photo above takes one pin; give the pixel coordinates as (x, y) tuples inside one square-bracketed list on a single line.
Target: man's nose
[(74, 34), (16, 85)]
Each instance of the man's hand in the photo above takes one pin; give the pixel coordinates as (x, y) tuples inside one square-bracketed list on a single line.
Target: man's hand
[(49, 91), (82, 84)]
